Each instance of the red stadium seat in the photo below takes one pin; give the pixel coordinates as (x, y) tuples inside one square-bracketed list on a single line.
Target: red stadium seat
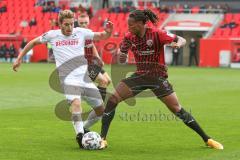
[(228, 17), (195, 9)]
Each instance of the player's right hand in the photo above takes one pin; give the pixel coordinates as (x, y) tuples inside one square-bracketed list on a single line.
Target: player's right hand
[(109, 27), (174, 45), (17, 64), (122, 58)]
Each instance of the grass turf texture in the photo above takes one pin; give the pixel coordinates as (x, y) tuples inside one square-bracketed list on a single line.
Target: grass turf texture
[(29, 129)]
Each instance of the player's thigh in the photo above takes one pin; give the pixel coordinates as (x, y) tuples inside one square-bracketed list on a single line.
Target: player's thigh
[(92, 96), (171, 101), (164, 91), (122, 92), (161, 87), (73, 96)]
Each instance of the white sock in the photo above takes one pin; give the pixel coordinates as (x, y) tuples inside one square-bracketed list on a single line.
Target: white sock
[(77, 122), (91, 120)]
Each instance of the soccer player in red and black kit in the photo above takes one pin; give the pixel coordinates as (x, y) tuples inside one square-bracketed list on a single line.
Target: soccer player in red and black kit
[(147, 45)]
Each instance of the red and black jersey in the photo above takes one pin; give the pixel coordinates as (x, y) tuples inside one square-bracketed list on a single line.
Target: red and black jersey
[(148, 50), (88, 51)]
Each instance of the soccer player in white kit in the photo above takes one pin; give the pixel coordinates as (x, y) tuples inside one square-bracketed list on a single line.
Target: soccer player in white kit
[(68, 49)]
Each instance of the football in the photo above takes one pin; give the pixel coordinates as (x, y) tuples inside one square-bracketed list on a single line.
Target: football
[(91, 141)]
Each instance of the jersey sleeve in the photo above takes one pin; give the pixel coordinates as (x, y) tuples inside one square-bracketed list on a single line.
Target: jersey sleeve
[(166, 37), (87, 33), (125, 45), (46, 37)]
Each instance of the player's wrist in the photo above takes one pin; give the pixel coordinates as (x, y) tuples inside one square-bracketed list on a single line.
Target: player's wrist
[(19, 59), (109, 33)]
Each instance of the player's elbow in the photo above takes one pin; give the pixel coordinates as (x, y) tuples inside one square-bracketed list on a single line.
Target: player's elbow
[(35, 42), (182, 41), (104, 82)]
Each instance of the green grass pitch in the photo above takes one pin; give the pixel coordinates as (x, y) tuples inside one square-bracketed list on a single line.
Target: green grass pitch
[(29, 129)]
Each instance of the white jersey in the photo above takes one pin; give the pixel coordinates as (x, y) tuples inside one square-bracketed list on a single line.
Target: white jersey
[(68, 52)]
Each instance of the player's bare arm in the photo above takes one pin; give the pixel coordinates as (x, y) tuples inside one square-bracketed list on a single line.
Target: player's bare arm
[(180, 42), (96, 55), (105, 34), (25, 50)]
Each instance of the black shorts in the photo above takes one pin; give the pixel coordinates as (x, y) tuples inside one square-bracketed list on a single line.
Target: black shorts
[(159, 85), (94, 70)]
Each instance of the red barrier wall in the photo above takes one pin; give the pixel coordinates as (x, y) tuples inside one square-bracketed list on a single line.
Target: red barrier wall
[(209, 51), (108, 48), (40, 53), (208, 55)]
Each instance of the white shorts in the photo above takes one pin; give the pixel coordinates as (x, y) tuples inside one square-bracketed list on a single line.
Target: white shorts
[(86, 91)]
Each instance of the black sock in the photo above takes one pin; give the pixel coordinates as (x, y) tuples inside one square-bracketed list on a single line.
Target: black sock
[(192, 123), (103, 92), (107, 118)]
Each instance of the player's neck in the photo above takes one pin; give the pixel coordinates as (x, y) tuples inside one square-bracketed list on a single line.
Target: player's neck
[(142, 32)]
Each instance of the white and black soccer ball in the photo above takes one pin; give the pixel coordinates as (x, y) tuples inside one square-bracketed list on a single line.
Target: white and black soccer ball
[(91, 141)]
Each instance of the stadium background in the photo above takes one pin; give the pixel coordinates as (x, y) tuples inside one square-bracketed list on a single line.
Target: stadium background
[(30, 129), (214, 24)]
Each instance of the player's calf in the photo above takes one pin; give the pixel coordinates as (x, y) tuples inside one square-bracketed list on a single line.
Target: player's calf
[(188, 119)]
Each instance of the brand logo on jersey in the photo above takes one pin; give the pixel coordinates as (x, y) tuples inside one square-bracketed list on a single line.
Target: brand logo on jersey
[(146, 52), (74, 35), (71, 42), (149, 43)]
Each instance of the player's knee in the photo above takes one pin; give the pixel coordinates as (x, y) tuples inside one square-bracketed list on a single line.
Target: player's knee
[(99, 110), (184, 116), (177, 108), (114, 99), (104, 82), (174, 107), (76, 105), (109, 81), (75, 102)]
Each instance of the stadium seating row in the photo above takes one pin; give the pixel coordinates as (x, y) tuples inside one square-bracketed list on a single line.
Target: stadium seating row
[(17, 12), (229, 28), (119, 20)]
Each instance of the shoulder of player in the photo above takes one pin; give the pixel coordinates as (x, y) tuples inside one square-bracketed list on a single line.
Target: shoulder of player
[(164, 32), (52, 33), (79, 29), (154, 30), (128, 35)]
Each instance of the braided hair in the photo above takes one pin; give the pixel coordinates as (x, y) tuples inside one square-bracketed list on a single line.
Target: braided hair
[(144, 16)]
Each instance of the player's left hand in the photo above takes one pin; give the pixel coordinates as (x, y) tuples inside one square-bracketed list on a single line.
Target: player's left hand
[(16, 64), (109, 27), (175, 45)]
